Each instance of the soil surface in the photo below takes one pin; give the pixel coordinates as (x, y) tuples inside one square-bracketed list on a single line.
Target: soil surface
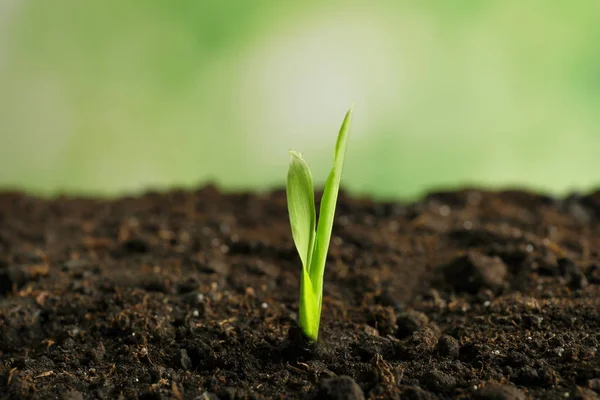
[(194, 295)]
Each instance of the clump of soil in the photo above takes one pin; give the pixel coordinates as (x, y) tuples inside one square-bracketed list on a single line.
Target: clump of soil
[(194, 295)]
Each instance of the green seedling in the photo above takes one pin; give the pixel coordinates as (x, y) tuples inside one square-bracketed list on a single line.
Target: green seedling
[(312, 238)]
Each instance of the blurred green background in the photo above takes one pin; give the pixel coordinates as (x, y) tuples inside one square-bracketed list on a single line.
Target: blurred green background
[(105, 97)]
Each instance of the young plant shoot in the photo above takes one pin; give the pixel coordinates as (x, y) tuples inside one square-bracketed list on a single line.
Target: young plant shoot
[(312, 238)]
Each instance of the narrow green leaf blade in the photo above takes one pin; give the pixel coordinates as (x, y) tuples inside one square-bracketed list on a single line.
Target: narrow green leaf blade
[(301, 207), (310, 313), (327, 210)]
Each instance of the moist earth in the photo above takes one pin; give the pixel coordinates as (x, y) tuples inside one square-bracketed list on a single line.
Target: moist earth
[(194, 295)]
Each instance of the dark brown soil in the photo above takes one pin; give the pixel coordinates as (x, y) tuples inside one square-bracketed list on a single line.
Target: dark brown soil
[(193, 295)]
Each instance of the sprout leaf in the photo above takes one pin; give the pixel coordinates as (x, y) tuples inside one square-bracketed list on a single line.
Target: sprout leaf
[(312, 238), (301, 206)]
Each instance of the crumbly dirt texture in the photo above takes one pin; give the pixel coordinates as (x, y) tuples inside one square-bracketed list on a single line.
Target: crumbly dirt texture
[(194, 295)]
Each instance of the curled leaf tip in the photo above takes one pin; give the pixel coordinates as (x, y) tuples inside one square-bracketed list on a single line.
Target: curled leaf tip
[(295, 154)]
